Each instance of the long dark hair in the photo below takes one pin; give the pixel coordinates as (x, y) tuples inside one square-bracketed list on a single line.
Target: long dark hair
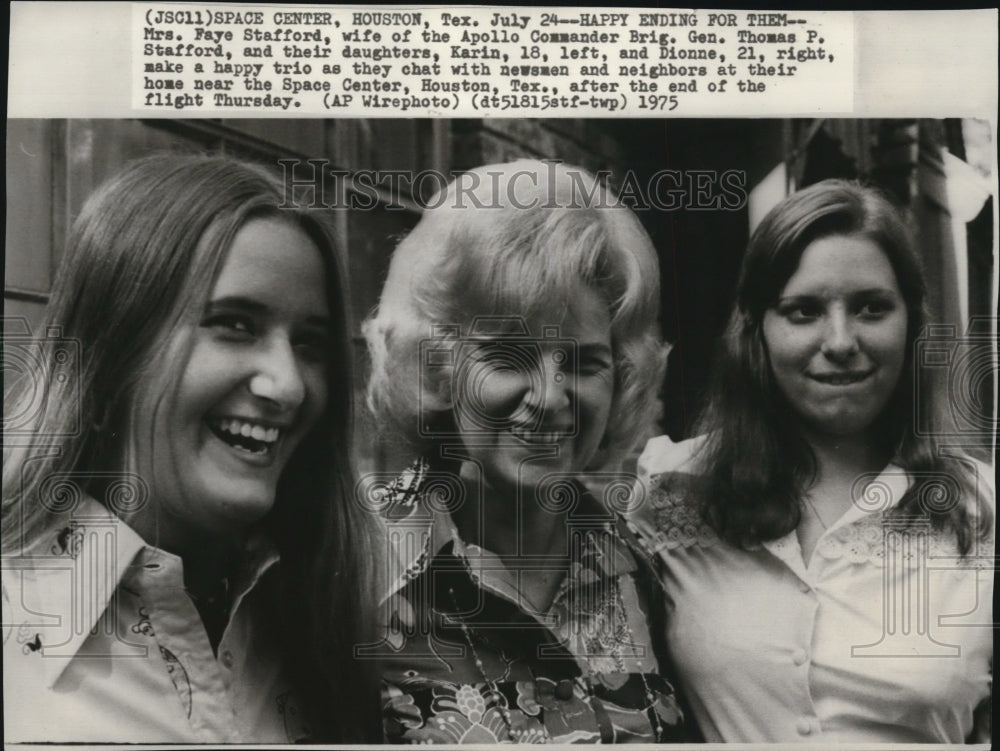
[(755, 463), (141, 261)]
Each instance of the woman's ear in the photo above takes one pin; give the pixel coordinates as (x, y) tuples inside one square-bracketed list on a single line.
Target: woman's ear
[(439, 390)]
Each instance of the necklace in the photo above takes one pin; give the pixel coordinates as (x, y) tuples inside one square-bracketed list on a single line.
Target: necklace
[(621, 615), (617, 615), (650, 696), (498, 698)]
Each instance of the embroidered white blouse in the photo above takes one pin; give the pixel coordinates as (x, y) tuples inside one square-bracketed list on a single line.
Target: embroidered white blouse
[(885, 635), (102, 644)]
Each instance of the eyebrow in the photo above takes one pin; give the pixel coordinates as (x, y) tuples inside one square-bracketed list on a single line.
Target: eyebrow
[(855, 293), (599, 348), (251, 305)]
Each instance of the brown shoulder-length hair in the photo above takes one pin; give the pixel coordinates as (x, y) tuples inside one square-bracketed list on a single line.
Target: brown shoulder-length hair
[(754, 461), (140, 264)]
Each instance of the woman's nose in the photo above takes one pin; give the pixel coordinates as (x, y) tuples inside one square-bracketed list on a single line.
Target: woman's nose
[(840, 340), (554, 384), (278, 378)]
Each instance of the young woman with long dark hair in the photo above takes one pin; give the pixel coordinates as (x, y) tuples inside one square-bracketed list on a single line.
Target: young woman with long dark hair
[(818, 540), (183, 557)]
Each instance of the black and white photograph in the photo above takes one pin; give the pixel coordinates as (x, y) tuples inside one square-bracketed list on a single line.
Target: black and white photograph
[(475, 428)]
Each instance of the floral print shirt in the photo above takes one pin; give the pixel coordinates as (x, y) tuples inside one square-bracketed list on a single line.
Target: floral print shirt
[(466, 660), (101, 643)]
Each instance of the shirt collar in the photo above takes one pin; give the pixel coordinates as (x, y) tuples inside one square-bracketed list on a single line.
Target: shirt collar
[(417, 534), (70, 577), (80, 564), (409, 528), (882, 492)]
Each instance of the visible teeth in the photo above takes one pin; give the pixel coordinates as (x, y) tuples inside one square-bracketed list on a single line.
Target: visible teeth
[(248, 430), (539, 437)]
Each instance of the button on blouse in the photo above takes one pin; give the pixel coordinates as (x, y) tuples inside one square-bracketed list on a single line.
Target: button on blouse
[(847, 648), (102, 644)]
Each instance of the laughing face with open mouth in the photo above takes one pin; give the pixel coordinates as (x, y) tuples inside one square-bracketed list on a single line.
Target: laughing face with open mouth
[(542, 409), (253, 386), (836, 336)]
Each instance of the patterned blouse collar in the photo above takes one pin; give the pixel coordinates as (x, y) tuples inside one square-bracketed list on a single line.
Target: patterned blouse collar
[(419, 531)]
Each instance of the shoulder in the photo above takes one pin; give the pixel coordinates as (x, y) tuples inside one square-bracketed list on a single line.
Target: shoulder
[(985, 507), (88, 543), (44, 623), (407, 523), (666, 512), (986, 480), (401, 497), (977, 494), (662, 455)]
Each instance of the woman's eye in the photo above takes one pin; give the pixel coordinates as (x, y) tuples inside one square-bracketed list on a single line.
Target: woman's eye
[(598, 367), (582, 362), (234, 326), (801, 312), (592, 365), (875, 309)]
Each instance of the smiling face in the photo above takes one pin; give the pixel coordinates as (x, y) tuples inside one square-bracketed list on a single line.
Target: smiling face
[(542, 399), (836, 336), (253, 386)]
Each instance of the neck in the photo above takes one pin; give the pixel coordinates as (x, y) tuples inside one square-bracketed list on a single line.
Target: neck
[(207, 556), (208, 571), (507, 522), (207, 553), (845, 457), (207, 566)]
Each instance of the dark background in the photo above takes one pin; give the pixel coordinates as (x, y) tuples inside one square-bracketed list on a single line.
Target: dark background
[(52, 165)]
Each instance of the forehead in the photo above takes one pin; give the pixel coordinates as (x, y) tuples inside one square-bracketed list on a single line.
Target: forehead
[(274, 262), (841, 263), (581, 313)]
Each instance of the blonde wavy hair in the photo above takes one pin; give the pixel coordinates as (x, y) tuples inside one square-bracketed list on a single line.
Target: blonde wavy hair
[(516, 239)]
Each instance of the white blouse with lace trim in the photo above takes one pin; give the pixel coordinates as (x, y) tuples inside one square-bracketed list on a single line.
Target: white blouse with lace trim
[(885, 635)]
